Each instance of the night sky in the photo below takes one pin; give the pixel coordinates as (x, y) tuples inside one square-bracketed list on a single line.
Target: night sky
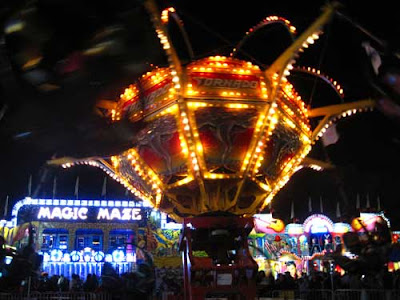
[(39, 124)]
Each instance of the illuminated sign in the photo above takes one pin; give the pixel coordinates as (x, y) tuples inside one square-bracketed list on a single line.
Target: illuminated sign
[(319, 228), (152, 96), (294, 229), (119, 214), (267, 224), (226, 83), (68, 210), (64, 213), (169, 225), (341, 228), (318, 224), (80, 213)]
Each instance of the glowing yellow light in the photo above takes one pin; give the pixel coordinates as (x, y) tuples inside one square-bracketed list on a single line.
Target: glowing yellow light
[(183, 181), (237, 105), (274, 119), (290, 123), (199, 147)]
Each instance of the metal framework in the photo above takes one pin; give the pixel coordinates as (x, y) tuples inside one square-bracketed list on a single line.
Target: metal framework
[(220, 134)]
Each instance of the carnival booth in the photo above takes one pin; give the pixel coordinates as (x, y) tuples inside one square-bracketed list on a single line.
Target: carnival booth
[(302, 246), (366, 221), (339, 229), (320, 235), (266, 240), (395, 264), (297, 240), (318, 228), (79, 236), (266, 229)]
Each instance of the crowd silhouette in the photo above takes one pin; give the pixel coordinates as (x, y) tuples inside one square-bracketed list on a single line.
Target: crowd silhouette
[(319, 280), (145, 282)]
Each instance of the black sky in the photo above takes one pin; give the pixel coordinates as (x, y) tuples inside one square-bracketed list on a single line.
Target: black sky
[(366, 155)]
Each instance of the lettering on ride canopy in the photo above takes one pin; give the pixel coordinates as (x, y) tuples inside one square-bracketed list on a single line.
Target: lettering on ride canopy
[(150, 98), (81, 213), (226, 83)]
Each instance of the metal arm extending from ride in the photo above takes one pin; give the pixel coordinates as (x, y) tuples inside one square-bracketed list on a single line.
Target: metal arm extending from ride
[(331, 113), (165, 19), (266, 22), (275, 75), (307, 37), (180, 82)]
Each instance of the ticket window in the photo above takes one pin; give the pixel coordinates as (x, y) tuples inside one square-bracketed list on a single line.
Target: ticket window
[(89, 238), (54, 238), (47, 242), (121, 239), (117, 241), (63, 242)]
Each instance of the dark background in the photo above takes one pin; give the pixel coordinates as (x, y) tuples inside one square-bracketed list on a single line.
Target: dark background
[(39, 124)]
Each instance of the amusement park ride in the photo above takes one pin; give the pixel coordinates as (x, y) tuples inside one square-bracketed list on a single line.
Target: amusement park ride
[(215, 140)]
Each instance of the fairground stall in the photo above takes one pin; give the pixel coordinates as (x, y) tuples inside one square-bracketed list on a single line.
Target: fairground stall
[(279, 248), (372, 222), (79, 236), (367, 220), (394, 265)]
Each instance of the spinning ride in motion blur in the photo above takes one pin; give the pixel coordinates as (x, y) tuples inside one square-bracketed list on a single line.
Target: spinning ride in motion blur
[(215, 140)]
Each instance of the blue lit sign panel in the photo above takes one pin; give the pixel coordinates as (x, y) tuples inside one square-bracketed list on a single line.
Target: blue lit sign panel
[(80, 210), (81, 213)]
